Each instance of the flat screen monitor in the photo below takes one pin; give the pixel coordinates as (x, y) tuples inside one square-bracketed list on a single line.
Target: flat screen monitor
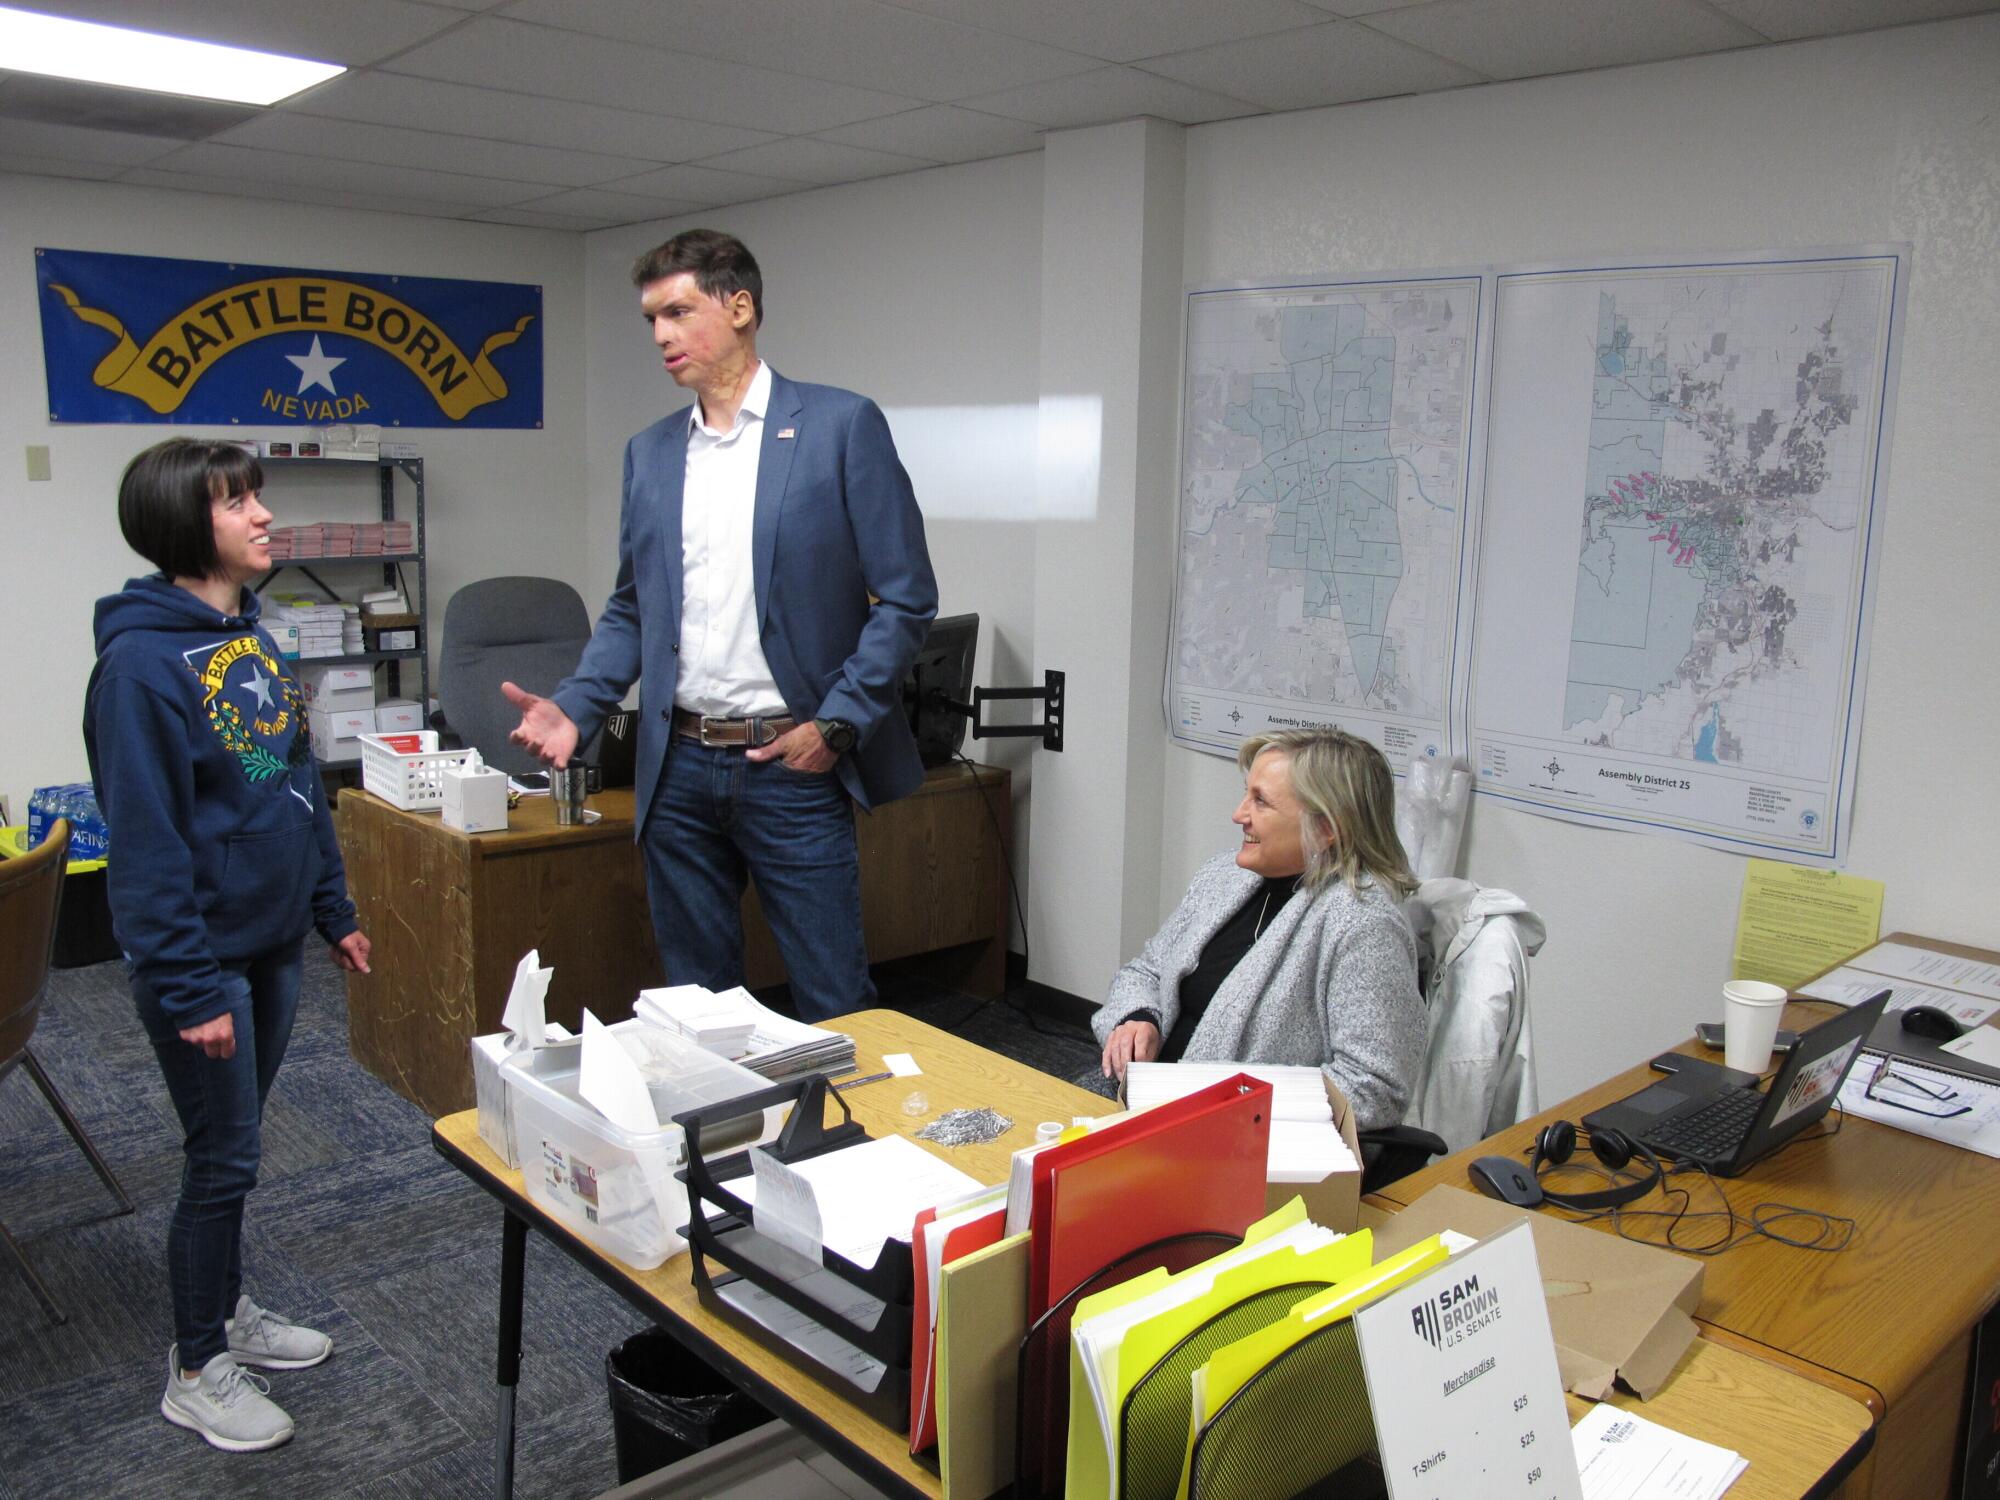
[(937, 691)]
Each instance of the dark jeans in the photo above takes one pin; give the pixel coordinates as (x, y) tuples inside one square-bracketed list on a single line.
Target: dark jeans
[(718, 816), (220, 1102)]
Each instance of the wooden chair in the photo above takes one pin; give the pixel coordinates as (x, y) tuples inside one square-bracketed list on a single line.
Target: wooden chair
[(30, 893)]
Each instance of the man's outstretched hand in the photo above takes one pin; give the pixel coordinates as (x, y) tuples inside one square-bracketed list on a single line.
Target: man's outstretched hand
[(545, 731)]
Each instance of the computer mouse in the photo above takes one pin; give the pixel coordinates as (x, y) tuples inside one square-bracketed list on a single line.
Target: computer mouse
[(1931, 1023), (1508, 1180)]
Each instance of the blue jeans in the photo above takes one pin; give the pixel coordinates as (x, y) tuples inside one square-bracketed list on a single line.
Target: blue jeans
[(220, 1102), (717, 817)]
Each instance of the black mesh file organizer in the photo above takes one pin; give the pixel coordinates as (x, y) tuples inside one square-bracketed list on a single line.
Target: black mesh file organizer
[(1301, 1419), (1153, 1420), (867, 1308), (1041, 1428)]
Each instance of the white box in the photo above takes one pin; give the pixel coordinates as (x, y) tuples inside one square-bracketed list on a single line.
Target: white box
[(489, 1090), (394, 715), (285, 638), (314, 681), (616, 1188), (474, 801), (347, 701), (337, 736), (398, 640)]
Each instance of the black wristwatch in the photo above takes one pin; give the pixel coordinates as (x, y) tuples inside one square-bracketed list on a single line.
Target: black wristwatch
[(838, 734)]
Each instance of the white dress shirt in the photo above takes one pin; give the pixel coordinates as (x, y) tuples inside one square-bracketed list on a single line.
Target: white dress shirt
[(722, 666)]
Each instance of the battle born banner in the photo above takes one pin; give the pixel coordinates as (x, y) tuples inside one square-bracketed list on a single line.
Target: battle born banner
[(140, 338)]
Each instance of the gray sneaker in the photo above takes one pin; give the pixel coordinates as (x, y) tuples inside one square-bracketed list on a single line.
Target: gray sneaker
[(225, 1404), (258, 1336)]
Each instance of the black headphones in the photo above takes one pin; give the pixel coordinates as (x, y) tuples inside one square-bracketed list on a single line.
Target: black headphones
[(1506, 1179)]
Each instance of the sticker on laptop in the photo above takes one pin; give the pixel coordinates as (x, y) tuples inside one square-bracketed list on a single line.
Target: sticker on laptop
[(1815, 1082)]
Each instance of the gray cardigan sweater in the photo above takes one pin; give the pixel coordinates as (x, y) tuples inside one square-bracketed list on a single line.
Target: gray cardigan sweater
[(1331, 982)]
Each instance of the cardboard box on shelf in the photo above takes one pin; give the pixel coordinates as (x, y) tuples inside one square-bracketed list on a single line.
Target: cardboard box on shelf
[(394, 715), (336, 737), (319, 684)]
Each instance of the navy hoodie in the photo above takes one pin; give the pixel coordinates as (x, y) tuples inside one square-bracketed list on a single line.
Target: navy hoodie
[(222, 846)]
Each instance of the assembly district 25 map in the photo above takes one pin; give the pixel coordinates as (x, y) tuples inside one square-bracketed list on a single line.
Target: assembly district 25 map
[(1324, 501), (1613, 544)]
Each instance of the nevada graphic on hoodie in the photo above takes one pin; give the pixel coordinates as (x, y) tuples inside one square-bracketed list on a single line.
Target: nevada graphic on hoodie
[(222, 844)]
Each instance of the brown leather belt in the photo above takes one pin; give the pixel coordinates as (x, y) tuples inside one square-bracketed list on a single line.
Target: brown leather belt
[(706, 729)]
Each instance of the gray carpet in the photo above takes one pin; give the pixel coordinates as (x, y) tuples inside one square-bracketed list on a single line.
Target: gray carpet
[(357, 1227)]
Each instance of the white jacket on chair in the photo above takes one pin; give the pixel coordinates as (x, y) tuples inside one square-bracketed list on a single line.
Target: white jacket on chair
[(1479, 1072)]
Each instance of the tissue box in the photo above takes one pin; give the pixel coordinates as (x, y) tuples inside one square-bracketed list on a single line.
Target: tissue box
[(489, 1090), (475, 800)]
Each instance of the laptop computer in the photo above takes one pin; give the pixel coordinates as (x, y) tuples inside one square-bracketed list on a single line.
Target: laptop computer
[(1726, 1126)]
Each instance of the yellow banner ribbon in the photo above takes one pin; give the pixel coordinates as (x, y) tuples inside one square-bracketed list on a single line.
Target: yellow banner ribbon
[(187, 345)]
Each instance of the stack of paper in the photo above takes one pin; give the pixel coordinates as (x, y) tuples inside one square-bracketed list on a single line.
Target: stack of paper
[(320, 626), (1621, 1456), (778, 1047), (713, 1022), (1306, 1146)]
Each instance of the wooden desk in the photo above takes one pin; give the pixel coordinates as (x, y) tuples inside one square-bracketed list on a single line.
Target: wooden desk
[(1889, 1320), (956, 1074), (450, 915), (1794, 1430)]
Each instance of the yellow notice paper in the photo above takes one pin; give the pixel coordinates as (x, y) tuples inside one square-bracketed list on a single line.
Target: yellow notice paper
[(1794, 922)]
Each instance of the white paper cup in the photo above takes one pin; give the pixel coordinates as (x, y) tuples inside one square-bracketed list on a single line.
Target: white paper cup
[(1750, 1012)]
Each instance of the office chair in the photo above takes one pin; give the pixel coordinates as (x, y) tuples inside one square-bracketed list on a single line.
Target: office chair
[(30, 895), (528, 631)]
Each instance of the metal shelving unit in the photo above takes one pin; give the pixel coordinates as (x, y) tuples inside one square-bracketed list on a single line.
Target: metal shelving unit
[(392, 564)]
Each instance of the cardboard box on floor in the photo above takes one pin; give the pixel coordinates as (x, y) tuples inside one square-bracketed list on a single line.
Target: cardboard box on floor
[(1618, 1310)]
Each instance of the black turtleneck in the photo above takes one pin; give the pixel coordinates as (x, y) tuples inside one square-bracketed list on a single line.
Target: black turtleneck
[(1224, 951)]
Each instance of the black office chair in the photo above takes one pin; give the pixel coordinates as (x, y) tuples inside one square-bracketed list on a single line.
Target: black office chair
[(528, 631), (30, 896)]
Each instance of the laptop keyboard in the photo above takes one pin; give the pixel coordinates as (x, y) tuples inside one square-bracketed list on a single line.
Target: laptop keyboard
[(1713, 1132)]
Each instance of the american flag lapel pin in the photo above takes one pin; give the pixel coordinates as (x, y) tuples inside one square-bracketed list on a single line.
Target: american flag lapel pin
[(787, 432)]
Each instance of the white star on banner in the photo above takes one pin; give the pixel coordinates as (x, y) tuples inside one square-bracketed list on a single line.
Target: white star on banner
[(316, 368)]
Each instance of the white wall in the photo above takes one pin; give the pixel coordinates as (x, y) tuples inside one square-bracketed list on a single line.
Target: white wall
[(921, 292), (1892, 136), (496, 502)]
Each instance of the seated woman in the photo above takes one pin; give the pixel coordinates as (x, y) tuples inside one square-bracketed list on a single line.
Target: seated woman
[(1293, 949)]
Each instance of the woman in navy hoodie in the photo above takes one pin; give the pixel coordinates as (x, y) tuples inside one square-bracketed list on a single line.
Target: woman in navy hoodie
[(224, 857)]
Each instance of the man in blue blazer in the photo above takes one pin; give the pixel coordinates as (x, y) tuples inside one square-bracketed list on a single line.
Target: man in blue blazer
[(773, 588)]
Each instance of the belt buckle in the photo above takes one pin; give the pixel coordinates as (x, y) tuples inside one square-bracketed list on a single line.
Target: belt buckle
[(702, 727)]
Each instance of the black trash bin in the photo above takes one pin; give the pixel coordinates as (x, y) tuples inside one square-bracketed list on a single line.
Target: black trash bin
[(667, 1403)]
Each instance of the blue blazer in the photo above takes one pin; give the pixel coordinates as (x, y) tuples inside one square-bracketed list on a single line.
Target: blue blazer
[(836, 522)]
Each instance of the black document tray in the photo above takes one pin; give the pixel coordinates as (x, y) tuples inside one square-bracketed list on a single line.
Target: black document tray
[(720, 1229)]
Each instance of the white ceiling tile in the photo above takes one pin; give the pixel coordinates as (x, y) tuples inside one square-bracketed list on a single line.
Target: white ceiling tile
[(1528, 38), (1109, 94), (74, 143), (1121, 30), (859, 42), (609, 207), (391, 146), (1791, 20), (58, 166), (528, 218), (805, 159), (705, 187), (354, 31), (279, 167), (296, 192), (566, 65), (1332, 63), (940, 132), (430, 104)]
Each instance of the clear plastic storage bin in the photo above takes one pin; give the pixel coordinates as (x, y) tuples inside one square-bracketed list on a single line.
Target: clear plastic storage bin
[(616, 1188)]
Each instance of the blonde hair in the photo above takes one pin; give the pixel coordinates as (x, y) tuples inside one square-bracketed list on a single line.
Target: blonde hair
[(1342, 784)]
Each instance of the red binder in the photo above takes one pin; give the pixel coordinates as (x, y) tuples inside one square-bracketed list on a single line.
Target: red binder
[(1193, 1164), (972, 1235)]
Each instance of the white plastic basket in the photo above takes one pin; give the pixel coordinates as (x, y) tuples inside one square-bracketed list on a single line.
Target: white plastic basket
[(412, 779)]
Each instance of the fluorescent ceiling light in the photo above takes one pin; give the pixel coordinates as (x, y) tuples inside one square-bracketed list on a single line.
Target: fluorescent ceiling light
[(31, 43)]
